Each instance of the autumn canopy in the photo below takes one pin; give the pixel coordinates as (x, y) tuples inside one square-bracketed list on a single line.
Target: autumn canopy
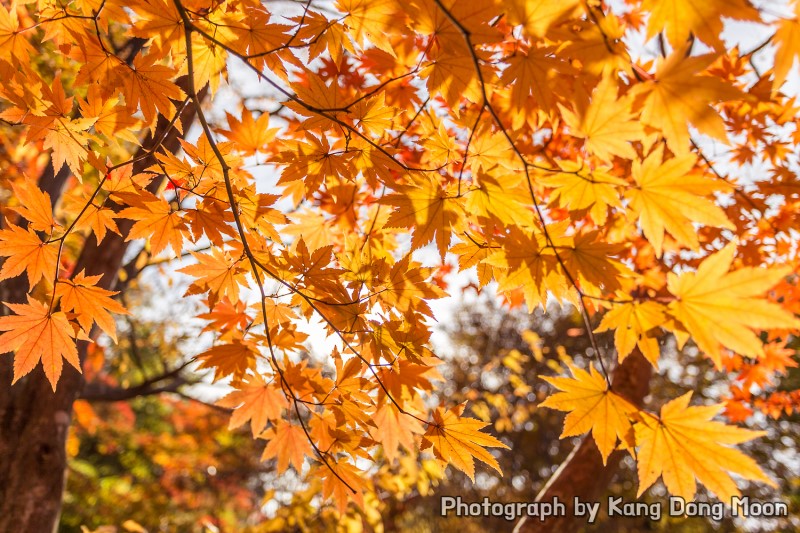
[(329, 162)]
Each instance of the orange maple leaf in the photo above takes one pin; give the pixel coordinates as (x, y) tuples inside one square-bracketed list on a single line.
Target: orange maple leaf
[(459, 441), (90, 303), (26, 252), (35, 333), (254, 400), (288, 443), (250, 135)]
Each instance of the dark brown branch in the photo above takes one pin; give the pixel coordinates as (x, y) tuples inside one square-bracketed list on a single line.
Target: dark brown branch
[(102, 392)]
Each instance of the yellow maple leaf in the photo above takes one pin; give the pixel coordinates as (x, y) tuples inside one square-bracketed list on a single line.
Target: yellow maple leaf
[(35, 333), (668, 196), (369, 21), (459, 441), (679, 19), (679, 96), (581, 189), (607, 123), (532, 74), (722, 309), (69, 141), (536, 16), (12, 41), (683, 443), (633, 324), (526, 262), (787, 47), (589, 258), (592, 406), (432, 210), (488, 150), (209, 62), (453, 77), (507, 202), (374, 116)]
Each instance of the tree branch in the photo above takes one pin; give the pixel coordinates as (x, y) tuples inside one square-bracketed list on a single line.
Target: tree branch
[(98, 391)]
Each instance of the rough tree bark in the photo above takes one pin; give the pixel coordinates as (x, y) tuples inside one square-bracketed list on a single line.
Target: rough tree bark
[(34, 420), (583, 474)]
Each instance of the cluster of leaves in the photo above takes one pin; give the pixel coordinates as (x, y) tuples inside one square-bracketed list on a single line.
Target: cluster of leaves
[(530, 141), (497, 355)]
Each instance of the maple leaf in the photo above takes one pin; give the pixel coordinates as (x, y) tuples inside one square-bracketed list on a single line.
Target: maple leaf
[(489, 150), (147, 85), (581, 189), (453, 77), (255, 400), (607, 124), (433, 211), (34, 205), (69, 141), (259, 36), (100, 220), (678, 96), (26, 252), (405, 288), (459, 441), (334, 476), (633, 325), (394, 428), (235, 358), (590, 261), (250, 135), (787, 50), (683, 443), (12, 42), (532, 74), (226, 316), (288, 443), (218, 273), (669, 197), (776, 360), (374, 116), (35, 333), (369, 20), (157, 222), (472, 254), (536, 16), (90, 303), (720, 308), (112, 118), (592, 406), (681, 18), (526, 263), (209, 61)]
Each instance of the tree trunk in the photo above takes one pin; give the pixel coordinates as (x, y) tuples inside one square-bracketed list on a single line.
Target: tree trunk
[(34, 420), (583, 475)]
